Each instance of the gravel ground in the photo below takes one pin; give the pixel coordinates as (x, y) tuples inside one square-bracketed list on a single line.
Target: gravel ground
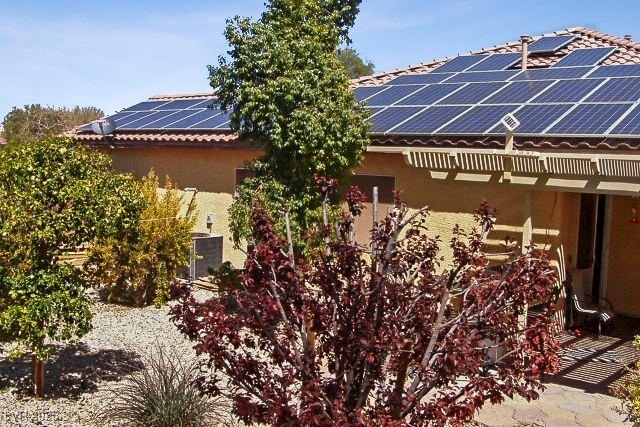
[(82, 377)]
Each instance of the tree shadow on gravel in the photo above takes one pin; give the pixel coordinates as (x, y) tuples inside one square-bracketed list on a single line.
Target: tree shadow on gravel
[(72, 370)]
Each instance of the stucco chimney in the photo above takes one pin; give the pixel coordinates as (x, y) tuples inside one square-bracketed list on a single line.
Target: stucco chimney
[(525, 39)]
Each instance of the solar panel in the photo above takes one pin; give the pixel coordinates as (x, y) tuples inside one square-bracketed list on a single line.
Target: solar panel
[(578, 57), (364, 92), (420, 79), (472, 93), (145, 106), (193, 119), (430, 94), (127, 117), (391, 95), (429, 120), (518, 92), (477, 120), (217, 120), (498, 61), (482, 76), (144, 119), (630, 125), (569, 90), (589, 119), (183, 104), (170, 117), (390, 117), (459, 63), (535, 118), (550, 44), (552, 73), (618, 90), (617, 71)]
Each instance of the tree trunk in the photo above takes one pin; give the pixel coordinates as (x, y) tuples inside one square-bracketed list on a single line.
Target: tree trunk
[(38, 377)]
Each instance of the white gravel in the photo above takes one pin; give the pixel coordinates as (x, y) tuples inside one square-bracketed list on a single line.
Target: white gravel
[(81, 377)]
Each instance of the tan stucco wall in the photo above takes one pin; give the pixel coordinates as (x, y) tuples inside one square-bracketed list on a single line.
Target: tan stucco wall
[(212, 172), (623, 288), (454, 203)]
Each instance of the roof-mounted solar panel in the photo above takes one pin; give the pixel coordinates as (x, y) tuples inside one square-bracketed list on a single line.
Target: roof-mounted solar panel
[(550, 44), (146, 106), (391, 117), (585, 57), (535, 118), (630, 125), (569, 90), (429, 120), (589, 119), (472, 93), (430, 94), (478, 120), (629, 70), (391, 95), (169, 118), (552, 73), (193, 119), (459, 63), (217, 121), (617, 90), (365, 92), (482, 76), (518, 92), (420, 79), (497, 61)]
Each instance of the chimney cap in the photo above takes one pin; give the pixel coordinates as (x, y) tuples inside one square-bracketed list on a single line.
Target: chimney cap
[(526, 38), (628, 37)]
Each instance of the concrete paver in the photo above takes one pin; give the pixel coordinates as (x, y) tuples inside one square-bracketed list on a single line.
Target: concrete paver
[(558, 406)]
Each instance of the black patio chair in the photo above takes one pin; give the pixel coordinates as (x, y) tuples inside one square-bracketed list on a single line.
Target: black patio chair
[(602, 317)]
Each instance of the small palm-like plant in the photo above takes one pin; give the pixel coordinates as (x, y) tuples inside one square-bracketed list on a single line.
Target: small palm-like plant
[(164, 394)]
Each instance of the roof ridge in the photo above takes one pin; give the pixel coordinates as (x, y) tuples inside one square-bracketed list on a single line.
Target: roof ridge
[(610, 38), (182, 95), (579, 31)]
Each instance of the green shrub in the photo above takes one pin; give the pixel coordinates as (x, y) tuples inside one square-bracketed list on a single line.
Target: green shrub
[(164, 394), (139, 271)]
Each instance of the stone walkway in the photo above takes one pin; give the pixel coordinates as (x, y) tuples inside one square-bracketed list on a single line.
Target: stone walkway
[(558, 406)]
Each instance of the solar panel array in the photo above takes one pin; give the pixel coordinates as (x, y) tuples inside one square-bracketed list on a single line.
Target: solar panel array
[(575, 97), (467, 95), (179, 114)]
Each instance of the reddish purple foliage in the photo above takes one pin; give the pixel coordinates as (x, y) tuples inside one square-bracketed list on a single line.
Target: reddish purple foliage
[(384, 336)]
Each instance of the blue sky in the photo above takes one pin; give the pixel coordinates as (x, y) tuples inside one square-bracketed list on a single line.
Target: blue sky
[(112, 54)]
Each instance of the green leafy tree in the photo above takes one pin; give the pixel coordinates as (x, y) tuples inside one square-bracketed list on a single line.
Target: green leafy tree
[(355, 66), (288, 93), (35, 122), (139, 270), (56, 196)]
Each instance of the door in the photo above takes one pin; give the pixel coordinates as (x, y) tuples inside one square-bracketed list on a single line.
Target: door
[(591, 235)]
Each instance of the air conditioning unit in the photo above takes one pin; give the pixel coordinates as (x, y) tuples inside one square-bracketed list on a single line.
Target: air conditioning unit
[(206, 254)]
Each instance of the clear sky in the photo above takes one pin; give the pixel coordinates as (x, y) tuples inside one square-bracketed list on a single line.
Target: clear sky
[(112, 54)]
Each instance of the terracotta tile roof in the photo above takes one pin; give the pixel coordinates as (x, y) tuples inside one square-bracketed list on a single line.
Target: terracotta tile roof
[(590, 144), (177, 138), (628, 52)]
